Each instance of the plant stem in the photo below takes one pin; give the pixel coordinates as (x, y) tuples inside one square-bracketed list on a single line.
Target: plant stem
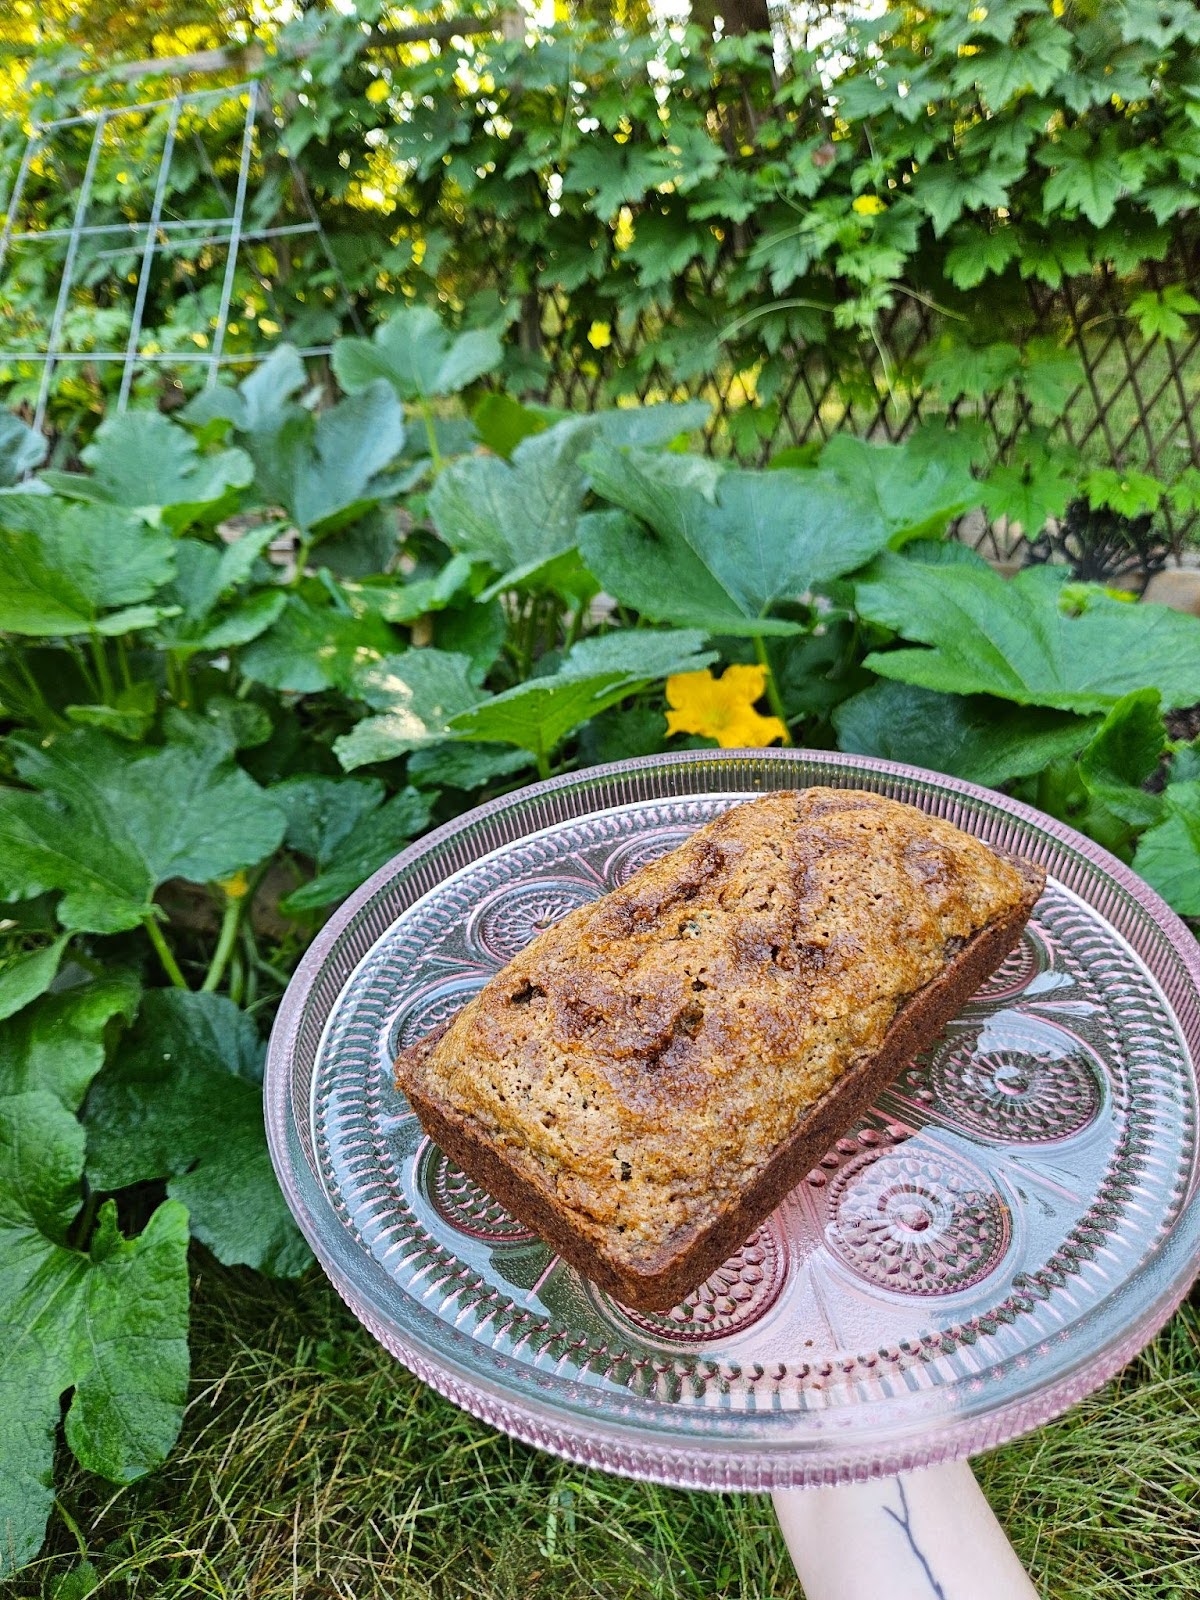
[(435, 455), (303, 551), (774, 698), (103, 675), (82, 1226), (177, 677), (543, 764), (40, 707), (165, 954), (123, 662), (576, 627), (524, 638), (237, 974), (225, 942), (85, 672)]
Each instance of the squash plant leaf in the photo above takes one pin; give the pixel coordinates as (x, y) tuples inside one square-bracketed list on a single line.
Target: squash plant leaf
[(23, 977), (181, 1099), (755, 538), (309, 647), (107, 823), (323, 812), (211, 616), (514, 514), (72, 569), (322, 469), (518, 515), (1030, 639), (403, 602), (500, 422), (111, 1324), (347, 830), (465, 766), (143, 462), (972, 737), (1122, 754), (539, 714), (1168, 856), (914, 496), (262, 400), (417, 695), (660, 576), (22, 448), (417, 355), (57, 1044)]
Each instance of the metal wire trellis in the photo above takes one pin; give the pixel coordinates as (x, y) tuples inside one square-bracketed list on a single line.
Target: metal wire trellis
[(155, 237)]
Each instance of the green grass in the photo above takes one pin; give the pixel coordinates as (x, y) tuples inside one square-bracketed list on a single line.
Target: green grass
[(312, 1467)]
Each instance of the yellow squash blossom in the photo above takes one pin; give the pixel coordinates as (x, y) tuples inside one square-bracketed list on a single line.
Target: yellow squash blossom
[(722, 708), (600, 335), (868, 205)]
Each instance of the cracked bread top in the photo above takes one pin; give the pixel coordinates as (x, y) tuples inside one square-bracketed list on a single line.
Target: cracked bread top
[(641, 1061)]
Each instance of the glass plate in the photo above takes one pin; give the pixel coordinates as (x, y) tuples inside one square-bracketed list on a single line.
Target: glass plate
[(1013, 1220)]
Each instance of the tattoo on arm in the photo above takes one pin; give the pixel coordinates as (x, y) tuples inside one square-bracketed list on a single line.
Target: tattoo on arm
[(905, 1523)]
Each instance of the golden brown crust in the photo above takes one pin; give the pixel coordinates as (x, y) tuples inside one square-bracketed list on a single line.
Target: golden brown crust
[(648, 1078)]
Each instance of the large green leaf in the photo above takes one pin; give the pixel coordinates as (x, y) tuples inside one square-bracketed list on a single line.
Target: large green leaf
[(182, 1099), (25, 976), (112, 1324), (211, 615), (57, 1044), (418, 694), (107, 823), (1168, 856), (465, 766), (261, 402), (518, 515), (322, 813), (757, 538), (143, 462), (396, 601), (21, 449), (68, 569), (322, 470), (661, 577), (130, 1390), (598, 672), (347, 831), (969, 737), (420, 357), (1025, 639), (309, 648), (29, 1408), (914, 495), (1122, 754)]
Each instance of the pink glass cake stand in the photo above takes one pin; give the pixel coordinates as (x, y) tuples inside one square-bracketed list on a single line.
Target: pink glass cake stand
[(1012, 1221)]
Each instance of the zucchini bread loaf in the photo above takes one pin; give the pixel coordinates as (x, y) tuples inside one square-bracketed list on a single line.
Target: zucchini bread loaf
[(649, 1077)]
